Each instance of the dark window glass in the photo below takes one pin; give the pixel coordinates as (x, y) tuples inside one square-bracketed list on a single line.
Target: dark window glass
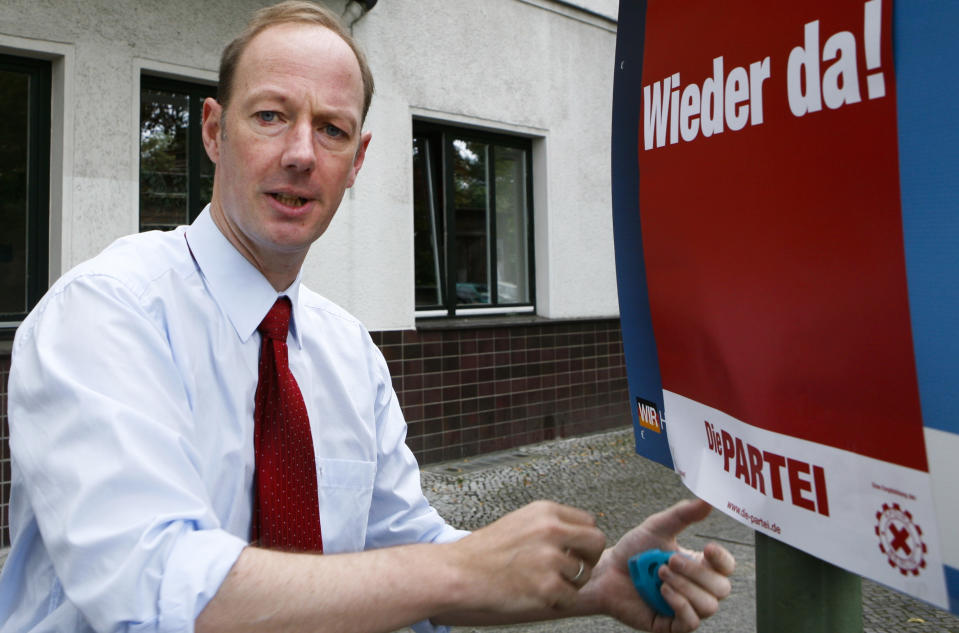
[(176, 176), (428, 231), (471, 205), (24, 183), (472, 221)]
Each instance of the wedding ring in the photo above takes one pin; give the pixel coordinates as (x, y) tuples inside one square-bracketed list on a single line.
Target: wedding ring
[(582, 567)]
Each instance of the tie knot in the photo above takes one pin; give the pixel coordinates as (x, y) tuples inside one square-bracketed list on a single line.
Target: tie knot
[(277, 321)]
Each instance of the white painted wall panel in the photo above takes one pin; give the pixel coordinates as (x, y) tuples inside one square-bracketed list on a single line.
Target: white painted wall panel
[(538, 68)]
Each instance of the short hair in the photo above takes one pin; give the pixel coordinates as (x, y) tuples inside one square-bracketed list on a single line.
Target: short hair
[(289, 12)]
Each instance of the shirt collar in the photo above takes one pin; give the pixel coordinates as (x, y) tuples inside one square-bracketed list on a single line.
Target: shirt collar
[(241, 291)]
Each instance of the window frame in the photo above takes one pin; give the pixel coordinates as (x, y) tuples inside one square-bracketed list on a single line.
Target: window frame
[(442, 135), (39, 122), (197, 91)]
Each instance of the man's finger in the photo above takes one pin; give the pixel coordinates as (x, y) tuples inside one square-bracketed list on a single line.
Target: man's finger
[(720, 558), (586, 544), (570, 514), (703, 591), (685, 617), (572, 529)]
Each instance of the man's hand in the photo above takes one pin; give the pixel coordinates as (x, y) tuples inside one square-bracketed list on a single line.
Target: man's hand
[(693, 582), (530, 564), (533, 559)]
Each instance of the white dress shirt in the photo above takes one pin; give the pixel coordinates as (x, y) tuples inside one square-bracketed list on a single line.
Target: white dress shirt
[(131, 432)]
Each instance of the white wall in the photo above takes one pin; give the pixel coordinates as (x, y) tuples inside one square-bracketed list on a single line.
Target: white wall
[(506, 65), (538, 68), (101, 43)]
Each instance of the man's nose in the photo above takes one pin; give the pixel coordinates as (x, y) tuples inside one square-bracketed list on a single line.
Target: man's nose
[(299, 152)]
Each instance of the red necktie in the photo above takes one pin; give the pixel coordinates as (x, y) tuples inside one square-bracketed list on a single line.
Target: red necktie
[(286, 513)]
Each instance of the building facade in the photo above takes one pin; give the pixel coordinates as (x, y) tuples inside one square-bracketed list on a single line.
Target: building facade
[(476, 245)]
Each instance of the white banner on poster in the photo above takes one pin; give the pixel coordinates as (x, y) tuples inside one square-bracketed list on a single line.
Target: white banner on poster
[(870, 517)]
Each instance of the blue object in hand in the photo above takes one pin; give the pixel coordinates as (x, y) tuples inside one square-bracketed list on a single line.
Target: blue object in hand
[(643, 570)]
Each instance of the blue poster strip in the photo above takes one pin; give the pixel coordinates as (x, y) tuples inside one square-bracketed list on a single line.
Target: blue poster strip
[(952, 587), (926, 54), (639, 346)]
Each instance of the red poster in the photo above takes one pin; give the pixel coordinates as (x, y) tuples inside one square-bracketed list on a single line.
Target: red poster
[(771, 225)]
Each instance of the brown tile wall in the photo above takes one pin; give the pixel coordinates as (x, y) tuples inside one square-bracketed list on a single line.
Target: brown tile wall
[(468, 391), (471, 391)]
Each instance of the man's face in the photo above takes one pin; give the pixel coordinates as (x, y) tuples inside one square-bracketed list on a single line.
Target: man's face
[(287, 146)]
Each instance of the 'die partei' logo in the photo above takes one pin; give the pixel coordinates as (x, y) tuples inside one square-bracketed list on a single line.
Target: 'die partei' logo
[(648, 415), (900, 539)]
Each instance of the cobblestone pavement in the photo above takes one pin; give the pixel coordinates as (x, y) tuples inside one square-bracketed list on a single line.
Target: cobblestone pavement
[(602, 474)]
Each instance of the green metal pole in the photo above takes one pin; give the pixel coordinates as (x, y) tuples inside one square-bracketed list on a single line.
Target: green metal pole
[(799, 593)]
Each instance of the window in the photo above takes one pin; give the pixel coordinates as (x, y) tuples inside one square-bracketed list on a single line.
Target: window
[(472, 202), (25, 183), (176, 176)]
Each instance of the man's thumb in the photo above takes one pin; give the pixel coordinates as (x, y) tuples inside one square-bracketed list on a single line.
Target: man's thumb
[(670, 522)]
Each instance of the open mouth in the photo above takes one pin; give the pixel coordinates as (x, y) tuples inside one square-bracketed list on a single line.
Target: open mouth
[(290, 201)]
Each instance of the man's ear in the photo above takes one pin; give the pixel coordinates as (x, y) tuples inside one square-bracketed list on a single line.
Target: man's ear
[(211, 128), (359, 157)]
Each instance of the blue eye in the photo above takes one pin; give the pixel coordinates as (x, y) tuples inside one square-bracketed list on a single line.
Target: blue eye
[(267, 116), (332, 130)]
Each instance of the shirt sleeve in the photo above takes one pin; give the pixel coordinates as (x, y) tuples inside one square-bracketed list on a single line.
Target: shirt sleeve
[(101, 431)]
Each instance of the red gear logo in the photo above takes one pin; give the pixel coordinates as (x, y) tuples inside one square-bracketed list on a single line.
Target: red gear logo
[(900, 539)]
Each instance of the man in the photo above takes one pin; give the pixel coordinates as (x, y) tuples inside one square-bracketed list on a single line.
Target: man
[(136, 416)]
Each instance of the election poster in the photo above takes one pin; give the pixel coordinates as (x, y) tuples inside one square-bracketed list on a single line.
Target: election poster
[(786, 217)]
